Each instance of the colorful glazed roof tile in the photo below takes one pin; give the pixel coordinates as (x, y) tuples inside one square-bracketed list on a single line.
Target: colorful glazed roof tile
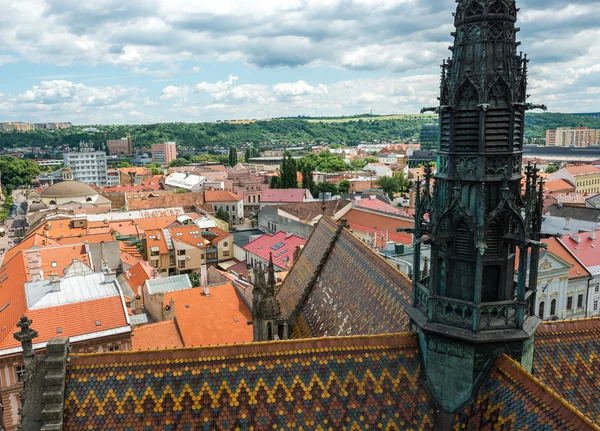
[(301, 274), (333, 383), (510, 398), (567, 359), (336, 279)]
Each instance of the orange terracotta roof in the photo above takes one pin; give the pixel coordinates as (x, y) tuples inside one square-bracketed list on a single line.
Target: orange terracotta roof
[(155, 222), (140, 170), (379, 223), (91, 239), (221, 196), (578, 170), (165, 200), (12, 295), (558, 185), (155, 336), (220, 318), (128, 259), (188, 234), (74, 319), (57, 259), (138, 274), (34, 240), (557, 248), (221, 234), (156, 238)]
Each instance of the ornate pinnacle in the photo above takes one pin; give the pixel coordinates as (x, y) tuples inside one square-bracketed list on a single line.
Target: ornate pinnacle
[(25, 336), (271, 281)]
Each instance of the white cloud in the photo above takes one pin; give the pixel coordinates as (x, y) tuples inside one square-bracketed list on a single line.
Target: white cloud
[(149, 102), (300, 88), (195, 69), (172, 91)]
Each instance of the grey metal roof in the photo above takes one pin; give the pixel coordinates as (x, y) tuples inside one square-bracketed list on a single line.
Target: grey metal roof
[(560, 225), (168, 284), (77, 288), (138, 319), (577, 213)]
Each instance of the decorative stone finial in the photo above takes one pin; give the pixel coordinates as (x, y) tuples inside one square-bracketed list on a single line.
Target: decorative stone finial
[(25, 336)]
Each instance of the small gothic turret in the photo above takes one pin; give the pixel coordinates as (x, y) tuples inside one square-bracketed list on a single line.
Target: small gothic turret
[(25, 336), (268, 322), (480, 226)]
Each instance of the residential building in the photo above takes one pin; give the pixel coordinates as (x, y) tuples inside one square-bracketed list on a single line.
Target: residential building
[(250, 186), (282, 246), (562, 290), (117, 147), (573, 137), (430, 136), (134, 175), (185, 181), (205, 316), (85, 306), (284, 196), (88, 167), (185, 249), (299, 218), (379, 169), (585, 178), (388, 159), (585, 246), (241, 238), (231, 203), (164, 153)]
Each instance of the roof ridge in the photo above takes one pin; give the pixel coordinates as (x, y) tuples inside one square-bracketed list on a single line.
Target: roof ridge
[(258, 348), (569, 326), (508, 360)]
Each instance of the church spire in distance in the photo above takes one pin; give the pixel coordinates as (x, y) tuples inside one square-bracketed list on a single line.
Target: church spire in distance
[(480, 226)]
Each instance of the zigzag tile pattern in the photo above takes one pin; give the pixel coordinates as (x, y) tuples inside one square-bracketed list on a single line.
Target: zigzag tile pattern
[(335, 383), (567, 359), (304, 268), (510, 399), (356, 293)]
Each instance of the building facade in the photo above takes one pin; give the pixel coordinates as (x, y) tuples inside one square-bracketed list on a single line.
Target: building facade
[(573, 137), (122, 146), (88, 167), (164, 153), (585, 178)]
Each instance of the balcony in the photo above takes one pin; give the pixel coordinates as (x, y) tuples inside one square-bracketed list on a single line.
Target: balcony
[(469, 315)]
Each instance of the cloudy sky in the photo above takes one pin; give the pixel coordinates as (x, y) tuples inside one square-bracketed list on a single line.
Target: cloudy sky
[(141, 61)]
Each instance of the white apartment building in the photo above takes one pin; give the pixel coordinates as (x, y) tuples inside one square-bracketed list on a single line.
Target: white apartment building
[(88, 167)]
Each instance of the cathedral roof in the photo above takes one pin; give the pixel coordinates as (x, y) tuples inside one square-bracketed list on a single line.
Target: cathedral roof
[(69, 189), (567, 359), (326, 383), (335, 280)]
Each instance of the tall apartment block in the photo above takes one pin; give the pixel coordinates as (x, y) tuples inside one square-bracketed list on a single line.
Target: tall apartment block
[(164, 153), (573, 137), (88, 167), (120, 146)]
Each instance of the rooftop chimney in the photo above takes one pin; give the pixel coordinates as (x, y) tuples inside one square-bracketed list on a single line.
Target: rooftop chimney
[(593, 235), (206, 291), (567, 222), (55, 282), (109, 275), (576, 238)]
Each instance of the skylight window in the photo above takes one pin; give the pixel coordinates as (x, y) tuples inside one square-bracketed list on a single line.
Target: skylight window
[(277, 246), (54, 264)]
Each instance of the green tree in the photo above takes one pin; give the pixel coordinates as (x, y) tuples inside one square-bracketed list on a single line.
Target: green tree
[(155, 168), (123, 165), (177, 163), (325, 187), (17, 172), (194, 279), (233, 158), (275, 182), (550, 169), (394, 184), (288, 172), (344, 186), (308, 181), (222, 215), (180, 190)]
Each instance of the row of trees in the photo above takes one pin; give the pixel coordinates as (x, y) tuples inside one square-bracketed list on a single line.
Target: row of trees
[(17, 172)]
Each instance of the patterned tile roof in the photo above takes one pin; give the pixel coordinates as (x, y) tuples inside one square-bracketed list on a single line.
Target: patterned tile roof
[(301, 274), (567, 359), (352, 281), (333, 383), (511, 398)]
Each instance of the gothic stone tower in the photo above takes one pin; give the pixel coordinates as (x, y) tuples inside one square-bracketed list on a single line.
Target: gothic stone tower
[(267, 320), (480, 225)]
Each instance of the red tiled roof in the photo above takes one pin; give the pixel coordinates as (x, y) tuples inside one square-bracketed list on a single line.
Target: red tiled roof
[(378, 205), (558, 186), (164, 200), (380, 224), (156, 238), (571, 198), (137, 276), (155, 336), (221, 196), (221, 318), (587, 250), (578, 170), (557, 248), (283, 195), (56, 259), (34, 240), (13, 302), (75, 319), (263, 247), (188, 234)]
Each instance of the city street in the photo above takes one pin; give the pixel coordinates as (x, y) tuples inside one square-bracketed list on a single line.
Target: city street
[(13, 227)]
